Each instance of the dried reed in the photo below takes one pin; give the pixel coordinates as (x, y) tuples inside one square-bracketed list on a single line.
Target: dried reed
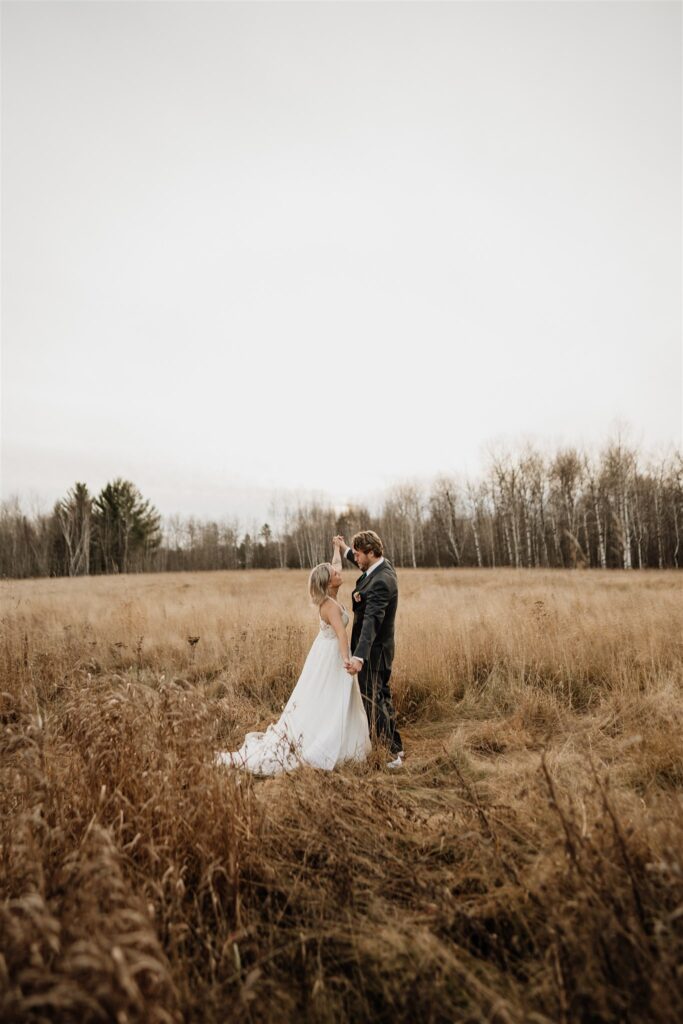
[(525, 865)]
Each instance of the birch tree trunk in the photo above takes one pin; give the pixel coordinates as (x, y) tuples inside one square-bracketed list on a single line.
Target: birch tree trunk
[(626, 532), (658, 522)]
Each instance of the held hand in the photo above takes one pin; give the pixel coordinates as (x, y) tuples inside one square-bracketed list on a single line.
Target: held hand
[(353, 666), (339, 542)]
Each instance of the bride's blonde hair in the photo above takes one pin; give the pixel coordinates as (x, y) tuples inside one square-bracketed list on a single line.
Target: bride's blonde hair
[(318, 582)]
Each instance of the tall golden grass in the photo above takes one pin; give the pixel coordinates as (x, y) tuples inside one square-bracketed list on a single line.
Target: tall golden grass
[(526, 865)]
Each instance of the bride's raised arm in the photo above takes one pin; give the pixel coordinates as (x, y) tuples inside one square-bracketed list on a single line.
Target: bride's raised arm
[(337, 557)]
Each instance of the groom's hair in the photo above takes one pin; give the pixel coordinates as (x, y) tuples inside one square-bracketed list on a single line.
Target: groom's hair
[(367, 541)]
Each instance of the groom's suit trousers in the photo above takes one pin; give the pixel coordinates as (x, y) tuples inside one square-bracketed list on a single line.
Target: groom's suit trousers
[(379, 707)]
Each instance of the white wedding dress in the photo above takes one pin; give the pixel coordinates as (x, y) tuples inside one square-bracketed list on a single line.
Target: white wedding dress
[(323, 723)]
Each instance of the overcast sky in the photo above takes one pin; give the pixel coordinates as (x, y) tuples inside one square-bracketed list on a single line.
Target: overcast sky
[(250, 247)]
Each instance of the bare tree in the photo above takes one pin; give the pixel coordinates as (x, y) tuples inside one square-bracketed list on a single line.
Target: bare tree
[(618, 469), (595, 499), (566, 478), (74, 515), (449, 516), (402, 520)]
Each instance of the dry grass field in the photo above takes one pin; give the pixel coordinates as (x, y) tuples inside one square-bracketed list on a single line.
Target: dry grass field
[(526, 865)]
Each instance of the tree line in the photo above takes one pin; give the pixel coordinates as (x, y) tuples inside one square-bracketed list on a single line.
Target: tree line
[(528, 510)]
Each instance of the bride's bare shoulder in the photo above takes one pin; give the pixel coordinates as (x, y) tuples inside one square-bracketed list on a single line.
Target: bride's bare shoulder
[(329, 610)]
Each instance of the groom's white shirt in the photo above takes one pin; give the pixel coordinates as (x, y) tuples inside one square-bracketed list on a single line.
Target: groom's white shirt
[(372, 568)]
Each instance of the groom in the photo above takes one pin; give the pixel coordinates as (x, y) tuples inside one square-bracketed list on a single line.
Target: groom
[(375, 599)]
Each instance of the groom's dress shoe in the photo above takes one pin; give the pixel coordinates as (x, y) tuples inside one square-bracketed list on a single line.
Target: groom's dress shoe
[(398, 760)]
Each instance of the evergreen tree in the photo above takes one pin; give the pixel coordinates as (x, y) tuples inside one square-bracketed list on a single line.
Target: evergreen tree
[(126, 527)]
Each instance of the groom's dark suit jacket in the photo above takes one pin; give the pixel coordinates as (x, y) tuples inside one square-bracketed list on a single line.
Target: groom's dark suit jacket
[(375, 600)]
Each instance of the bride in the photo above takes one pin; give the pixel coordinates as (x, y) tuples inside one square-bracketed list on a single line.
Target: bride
[(324, 722)]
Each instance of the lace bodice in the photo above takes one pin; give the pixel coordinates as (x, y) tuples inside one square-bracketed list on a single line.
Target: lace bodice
[(325, 628)]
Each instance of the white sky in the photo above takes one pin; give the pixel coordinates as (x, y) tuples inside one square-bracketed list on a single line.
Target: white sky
[(217, 214)]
